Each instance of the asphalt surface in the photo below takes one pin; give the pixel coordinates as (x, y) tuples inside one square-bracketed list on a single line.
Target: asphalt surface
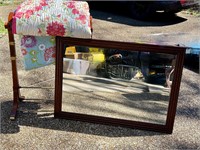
[(35, 127)]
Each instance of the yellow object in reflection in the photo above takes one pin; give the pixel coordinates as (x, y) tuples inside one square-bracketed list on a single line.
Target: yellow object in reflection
[(97, 54), (98, 57), (70, 50), (95, 50)]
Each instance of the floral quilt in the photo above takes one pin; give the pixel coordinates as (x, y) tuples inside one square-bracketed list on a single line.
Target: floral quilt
[(39, 21), (52, 18), (37, 51)]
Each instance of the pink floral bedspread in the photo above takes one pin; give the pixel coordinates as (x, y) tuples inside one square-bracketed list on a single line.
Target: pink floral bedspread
[(52, 18)]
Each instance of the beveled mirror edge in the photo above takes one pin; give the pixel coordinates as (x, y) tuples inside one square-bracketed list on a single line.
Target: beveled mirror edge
[(167, 128)]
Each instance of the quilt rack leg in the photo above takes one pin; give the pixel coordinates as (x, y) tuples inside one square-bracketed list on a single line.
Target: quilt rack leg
[(16, 88)]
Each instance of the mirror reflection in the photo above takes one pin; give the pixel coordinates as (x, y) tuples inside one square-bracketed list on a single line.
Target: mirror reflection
[(130, 85)]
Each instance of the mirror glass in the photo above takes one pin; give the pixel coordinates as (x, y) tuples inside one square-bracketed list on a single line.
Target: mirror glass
[(130, 85)]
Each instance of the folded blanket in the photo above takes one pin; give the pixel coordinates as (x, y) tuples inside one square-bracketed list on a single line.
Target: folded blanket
[(52, 18)]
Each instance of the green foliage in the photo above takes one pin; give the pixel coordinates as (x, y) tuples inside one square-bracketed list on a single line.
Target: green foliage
[(10, 2), (2, 28), (194, 11)]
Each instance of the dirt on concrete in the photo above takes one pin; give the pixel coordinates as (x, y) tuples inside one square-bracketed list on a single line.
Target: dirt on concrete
[(5, 10)]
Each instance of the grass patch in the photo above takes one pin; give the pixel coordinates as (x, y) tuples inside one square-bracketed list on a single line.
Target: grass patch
[(1, 4), (2, 28), (10, 2), (194, 11)]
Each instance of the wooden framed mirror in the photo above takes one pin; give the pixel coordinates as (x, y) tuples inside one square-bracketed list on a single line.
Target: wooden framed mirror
[(118, 83)]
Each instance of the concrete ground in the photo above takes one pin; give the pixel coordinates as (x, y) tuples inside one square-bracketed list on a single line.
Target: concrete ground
[(35, 127)]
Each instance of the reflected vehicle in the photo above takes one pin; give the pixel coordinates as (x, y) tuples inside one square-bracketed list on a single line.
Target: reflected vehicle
[(145, 9)]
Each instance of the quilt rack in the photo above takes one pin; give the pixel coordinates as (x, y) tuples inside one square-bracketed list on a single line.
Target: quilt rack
[(17, 97)]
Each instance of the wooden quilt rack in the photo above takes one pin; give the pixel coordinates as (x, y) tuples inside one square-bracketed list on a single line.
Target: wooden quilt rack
[(16, 87)]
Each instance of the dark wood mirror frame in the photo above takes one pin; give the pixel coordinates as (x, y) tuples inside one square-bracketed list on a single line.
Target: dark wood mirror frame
[(166, 128)]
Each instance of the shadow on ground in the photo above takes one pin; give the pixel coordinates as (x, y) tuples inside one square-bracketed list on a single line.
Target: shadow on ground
[(33, 116), (192, 63)]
